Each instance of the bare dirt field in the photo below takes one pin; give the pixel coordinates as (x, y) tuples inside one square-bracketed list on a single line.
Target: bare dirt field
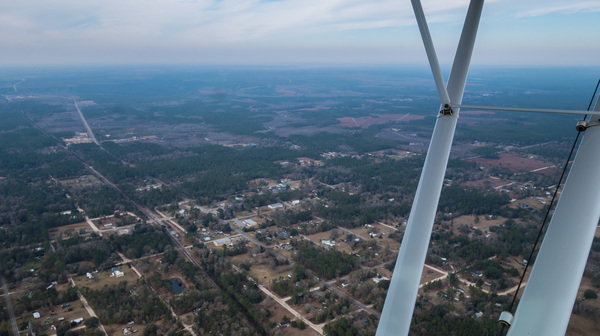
[(69, 230), (50, 315), (580, 324), (81, 182), (326, 235), (516, 162), (377, 119), (277, 314), (483, 225), (265, 274), (429, 275), (102, 279), (495, 183), (532, 202), (117, 329)]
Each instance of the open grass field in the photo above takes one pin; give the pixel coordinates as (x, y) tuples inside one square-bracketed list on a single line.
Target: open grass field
[(326, 235), (103, 278), (517, 163), (50, 316), (483, 224), (265, 274), (81, 182), (68, 231)]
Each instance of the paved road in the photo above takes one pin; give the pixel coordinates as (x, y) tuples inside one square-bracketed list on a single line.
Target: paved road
[(11, 312)]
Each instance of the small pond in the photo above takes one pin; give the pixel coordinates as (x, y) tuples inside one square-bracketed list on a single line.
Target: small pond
[(176, 286)]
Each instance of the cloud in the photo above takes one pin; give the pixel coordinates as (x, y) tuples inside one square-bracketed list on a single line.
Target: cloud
[(571, 7), (166, 29)]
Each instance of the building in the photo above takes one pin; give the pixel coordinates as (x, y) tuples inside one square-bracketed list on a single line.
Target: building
[(328, 243), (36, 315), (89, 275), (380, 278), (222, 241), (249, 222), (275, 206)]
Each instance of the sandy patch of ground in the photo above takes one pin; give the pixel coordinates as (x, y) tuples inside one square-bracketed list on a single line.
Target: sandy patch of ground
[(516, 162), (377, 119)]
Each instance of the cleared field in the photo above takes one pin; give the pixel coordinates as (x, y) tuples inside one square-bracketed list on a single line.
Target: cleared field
[(102, 279), (50, 316), (277, 314), (579, 323), (326, 235), (117, 329), (265, 274), (81, 182), (515, 162), (377, 119), (532, 202), (483, 224), (69, 230)]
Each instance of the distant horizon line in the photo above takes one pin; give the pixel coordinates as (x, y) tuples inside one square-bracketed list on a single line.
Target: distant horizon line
[(406, 65)]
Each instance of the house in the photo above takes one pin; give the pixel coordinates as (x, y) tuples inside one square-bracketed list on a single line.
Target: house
[(295, 202), (36, 315), (380, 278), (89, 275), (328, 243), (117, 274), (77, 320), (275, 206)]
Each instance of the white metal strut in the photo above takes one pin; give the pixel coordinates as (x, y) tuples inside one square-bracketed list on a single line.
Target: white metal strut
[(400, 301), (547, 301)]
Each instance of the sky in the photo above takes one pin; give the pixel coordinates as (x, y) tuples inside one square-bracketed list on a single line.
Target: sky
[(352, 32)]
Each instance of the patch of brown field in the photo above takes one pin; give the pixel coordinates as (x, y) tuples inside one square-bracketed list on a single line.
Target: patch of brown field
[(70, 230), (533, 202), (265, 274), (286, 92), (482, 182), (429, 274), (515, 162), (340, 245), (316, 108), (76, 311), (483, 225), (277, 314), (117, 329), (580, 324), (102, 279), (379, 119)]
